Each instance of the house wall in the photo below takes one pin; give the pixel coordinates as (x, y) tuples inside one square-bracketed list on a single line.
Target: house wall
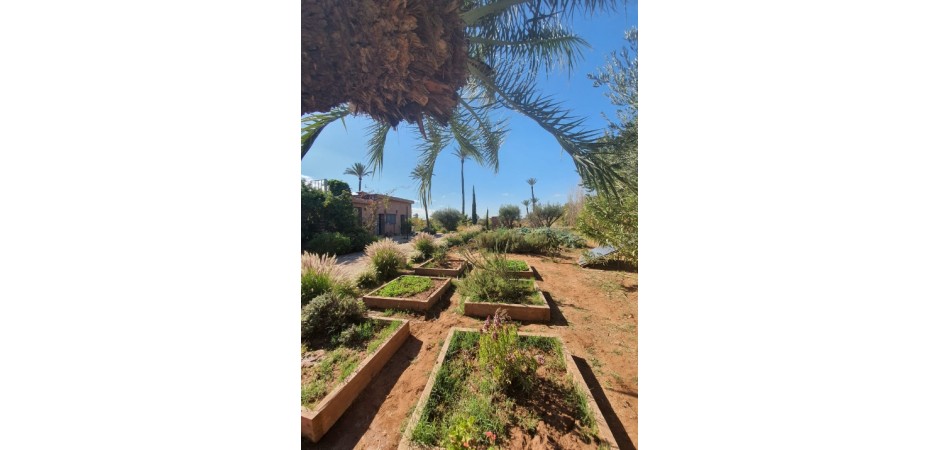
[(391, 210)]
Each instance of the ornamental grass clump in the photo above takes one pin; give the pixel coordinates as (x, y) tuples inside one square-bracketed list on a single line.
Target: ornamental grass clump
[(424, 244), (319, 274), (387, 258)]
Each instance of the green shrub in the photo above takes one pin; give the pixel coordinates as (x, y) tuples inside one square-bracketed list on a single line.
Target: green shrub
[(367, 278), (406, 286), (312, 285), (491, 281), (453, 240), (502, 356), (359, 239), (424, 244), (449, 218), (329, 314), (329, 243), (387, 258)]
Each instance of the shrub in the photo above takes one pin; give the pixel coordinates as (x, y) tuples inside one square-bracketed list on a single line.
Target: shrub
[(319, 275), (492, 281), (312, 285), (508, 214), (329, 314), (453, 239), (359, 239), (502, 357), (424, 244), (448, 217), (329, 242), (367, 278), (386, 258), (547, 214)]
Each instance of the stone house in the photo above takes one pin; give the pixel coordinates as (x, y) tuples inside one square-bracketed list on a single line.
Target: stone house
[(383, 214)]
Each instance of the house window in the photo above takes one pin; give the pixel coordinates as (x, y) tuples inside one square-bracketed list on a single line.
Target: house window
[(390, 219)]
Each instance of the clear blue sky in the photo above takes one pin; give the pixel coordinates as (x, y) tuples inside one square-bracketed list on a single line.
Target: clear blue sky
[(528, 151)]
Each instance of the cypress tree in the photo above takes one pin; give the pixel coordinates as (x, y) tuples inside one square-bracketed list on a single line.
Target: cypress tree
[(473, 207), (486, 223)]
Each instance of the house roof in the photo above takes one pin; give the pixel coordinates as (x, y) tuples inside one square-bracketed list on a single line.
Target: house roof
[(362, 197)]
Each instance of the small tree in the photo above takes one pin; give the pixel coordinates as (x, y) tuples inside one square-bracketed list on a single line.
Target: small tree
[(448, 217), (546, 215), (508, 214), (486, 224), (526, 204)]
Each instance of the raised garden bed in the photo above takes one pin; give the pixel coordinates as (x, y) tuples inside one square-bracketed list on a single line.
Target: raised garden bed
[(344, 378), (459, 406), (520, 269), (397, 294), (450, 268), (536, 310)]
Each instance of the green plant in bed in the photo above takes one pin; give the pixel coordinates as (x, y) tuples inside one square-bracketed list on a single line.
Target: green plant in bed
[(490, 382), (516, 265), (406, 286)]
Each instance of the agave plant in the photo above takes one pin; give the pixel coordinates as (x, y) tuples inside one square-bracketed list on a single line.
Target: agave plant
[(444, 67)]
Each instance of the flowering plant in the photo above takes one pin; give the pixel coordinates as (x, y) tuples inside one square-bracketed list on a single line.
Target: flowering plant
[(501, 356)]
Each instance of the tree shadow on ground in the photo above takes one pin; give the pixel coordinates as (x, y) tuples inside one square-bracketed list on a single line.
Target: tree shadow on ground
[(442, 304), (616, 426), (353, 424), (557, 318)]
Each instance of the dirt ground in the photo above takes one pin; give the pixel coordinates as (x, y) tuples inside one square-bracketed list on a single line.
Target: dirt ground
[(594, 311)]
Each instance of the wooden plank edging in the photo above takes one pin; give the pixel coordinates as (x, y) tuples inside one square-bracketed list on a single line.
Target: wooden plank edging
[(317, 422), (375, 301), (603, 429)]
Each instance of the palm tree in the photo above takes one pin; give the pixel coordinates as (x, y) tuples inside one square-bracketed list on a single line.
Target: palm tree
[(357, 170), (526, 204), (453, 62), (422, 174), (463, 152), (532, 182)]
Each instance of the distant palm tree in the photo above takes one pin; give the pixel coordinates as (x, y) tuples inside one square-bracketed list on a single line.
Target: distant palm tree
[(357, 170), (422, 174), (526, 204), (463, 152), (532, 182)]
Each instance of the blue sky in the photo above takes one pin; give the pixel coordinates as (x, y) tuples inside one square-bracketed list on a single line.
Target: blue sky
[(528, 151)]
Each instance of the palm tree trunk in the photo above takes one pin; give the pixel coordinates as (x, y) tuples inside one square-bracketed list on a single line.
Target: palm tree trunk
[(463, 198), (360, 185), (427, 220), (533, 195)]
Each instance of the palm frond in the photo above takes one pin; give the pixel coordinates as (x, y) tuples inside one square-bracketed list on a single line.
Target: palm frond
[(491, 134), (484, 9), (312, 124), (516, 90), (378, 131), (538, 45)]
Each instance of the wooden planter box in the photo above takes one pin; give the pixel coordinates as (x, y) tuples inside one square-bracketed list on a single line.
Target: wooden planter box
[(603, 430), (432, 272), (529, 313), (316, 422), (524, 273), (374, 301)]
